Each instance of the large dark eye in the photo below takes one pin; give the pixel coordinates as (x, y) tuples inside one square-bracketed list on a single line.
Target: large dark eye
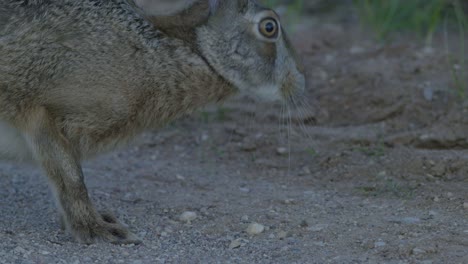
[(269, 27)]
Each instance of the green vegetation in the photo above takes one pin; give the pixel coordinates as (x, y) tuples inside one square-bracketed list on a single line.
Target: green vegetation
[(388, 16), (386, 185), (423, 17), (460, 70)]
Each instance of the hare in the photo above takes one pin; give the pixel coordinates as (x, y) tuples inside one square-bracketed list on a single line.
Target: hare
[(78, 78)]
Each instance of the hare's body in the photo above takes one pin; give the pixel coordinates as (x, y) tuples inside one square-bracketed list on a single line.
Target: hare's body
[(96, 99), (80, 77)]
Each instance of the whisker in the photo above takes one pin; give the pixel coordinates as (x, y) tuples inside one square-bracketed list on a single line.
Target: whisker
[(280, 124), (289, 140), (302, 117)]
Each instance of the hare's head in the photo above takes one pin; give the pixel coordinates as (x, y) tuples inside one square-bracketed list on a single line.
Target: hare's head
[(242, 41)]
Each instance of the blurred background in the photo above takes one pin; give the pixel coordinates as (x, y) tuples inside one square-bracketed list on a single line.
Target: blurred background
[(384, 17)]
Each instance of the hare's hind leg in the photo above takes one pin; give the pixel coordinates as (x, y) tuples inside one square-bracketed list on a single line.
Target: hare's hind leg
[(53, 151), (13, 146)]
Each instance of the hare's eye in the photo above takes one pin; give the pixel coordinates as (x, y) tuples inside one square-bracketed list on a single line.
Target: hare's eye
[(269, 28)]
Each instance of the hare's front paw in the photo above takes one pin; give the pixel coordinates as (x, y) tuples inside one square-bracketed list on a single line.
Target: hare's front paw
[(106, 229)]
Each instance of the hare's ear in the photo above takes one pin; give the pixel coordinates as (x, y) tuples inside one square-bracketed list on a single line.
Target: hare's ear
[(177, 13)]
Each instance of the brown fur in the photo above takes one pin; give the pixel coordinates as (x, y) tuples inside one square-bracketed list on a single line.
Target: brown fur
[(78, 78)]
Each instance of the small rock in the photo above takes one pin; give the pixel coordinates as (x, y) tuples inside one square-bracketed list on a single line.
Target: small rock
[(380, 244), (439, 170), (304, 223), (305, 171), (449, 194), (410, 220), (354, 50), (248, 146), (271, 236), (237, 243), (245, 218), (427, 262), (436, 199), (317, 228), (465, 205), (382, 174), (428, 93), (319, 244), (255, 229), (418, 251), (428, 50), (281, 151), (19, 250), (282, 234), (188, 216), (244, 189), (180, 177)]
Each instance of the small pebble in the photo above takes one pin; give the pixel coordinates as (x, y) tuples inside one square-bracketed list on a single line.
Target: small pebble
[(319, 244), (237, 243), (255, 229), (410, 220), (317, 228), (382, 174), (282, 235), (380, 244), (245, 218), (188, 216), (244, 189), (304, 223), (248, 146), (427, 262), (281, 151), (417, 251), (354, 50), (19, 250), (305, 171), (465, 205), (428, 93)]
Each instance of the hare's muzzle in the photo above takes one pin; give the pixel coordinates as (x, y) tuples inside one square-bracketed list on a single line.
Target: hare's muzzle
[(293, 70), (293, 84)]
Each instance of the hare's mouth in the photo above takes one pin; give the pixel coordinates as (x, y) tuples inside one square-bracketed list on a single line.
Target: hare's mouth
[(293, 84)]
